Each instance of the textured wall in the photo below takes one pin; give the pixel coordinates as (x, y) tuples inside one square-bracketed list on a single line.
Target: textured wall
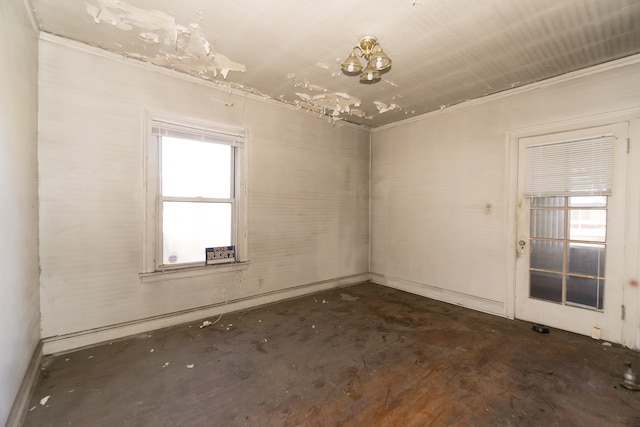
[(432, 178), (308, 183), (19, 293)]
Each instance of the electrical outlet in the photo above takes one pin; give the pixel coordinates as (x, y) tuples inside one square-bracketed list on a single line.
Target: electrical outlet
[(260, 283), (488, 208)]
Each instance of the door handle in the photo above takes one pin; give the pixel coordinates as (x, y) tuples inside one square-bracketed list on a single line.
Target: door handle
[(522, 245)]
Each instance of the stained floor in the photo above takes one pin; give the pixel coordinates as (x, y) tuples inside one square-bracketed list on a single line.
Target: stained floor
[(364, 355)]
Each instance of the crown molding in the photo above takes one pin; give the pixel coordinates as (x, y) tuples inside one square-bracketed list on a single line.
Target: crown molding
[(596, 69)]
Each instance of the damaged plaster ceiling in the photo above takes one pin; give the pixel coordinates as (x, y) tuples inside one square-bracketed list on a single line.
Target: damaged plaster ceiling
[(444, 52)]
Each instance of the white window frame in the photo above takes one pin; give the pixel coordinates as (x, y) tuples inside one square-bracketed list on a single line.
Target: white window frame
[(152, 268)]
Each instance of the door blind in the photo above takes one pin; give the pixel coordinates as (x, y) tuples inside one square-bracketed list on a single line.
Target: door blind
[(580, 167)]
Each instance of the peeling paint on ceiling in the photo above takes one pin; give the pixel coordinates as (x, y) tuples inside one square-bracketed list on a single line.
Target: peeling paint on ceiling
[(383, 108), (125, 17), (189, 47), (290, 51)]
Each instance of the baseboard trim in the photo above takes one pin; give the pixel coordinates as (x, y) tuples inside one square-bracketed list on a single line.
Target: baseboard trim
[(87, 338), (21, 402), (452, 297)]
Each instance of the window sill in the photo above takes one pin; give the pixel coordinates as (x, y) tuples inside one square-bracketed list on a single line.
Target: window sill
[(186, 272)]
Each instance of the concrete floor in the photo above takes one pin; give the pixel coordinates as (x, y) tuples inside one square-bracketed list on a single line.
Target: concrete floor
[(365, 355)]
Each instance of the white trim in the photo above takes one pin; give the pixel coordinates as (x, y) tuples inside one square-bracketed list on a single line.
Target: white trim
[(370, 200), (511, 188), (228, 89), (29, 381), (512, 138), (75, 341), (186, 272), (221, 86), (631, 293), (33, 19), (152, 234), (452, 297), (596, 69)]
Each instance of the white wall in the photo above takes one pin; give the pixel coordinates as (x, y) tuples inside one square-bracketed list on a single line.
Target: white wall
[(308, 201), (432, 177), (19, 293)]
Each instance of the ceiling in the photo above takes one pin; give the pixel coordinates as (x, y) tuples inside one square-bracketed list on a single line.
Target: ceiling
[(444, 51)]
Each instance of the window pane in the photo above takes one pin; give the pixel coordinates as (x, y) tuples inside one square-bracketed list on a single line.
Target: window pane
[(547, 223), (195, 168), (588, 224), (585, 291), (547, 202), (592, 201), (546, 286), (586, 259), (189, 228), (546, 255)]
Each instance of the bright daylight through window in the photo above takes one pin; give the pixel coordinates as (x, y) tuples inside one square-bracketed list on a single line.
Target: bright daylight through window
[(196, 200), (568, 245)]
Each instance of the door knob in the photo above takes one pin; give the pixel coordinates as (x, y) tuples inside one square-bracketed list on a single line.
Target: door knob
[(522, 245)]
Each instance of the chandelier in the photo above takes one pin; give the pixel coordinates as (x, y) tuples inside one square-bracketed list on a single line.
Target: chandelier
[(377, 61)]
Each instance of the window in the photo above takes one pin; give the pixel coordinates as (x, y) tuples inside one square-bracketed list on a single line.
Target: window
[(568, 245), (569, 183), (194, 195)]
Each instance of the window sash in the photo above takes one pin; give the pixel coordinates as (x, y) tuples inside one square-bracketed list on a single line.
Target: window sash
[(161, 129), (161, 256), (580, 167)]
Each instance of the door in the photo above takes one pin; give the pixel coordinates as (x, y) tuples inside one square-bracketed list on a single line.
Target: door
[(570, 246)]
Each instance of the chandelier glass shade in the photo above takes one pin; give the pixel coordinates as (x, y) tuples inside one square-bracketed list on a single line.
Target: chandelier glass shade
[(377, 62)]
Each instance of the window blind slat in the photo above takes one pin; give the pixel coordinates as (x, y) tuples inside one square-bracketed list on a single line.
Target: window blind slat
[(581, 167), (161, 128)]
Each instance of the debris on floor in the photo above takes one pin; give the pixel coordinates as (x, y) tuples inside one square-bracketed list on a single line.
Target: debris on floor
[(541, 329), (629, 378), (437, 364), (44, 400), (205, 324)]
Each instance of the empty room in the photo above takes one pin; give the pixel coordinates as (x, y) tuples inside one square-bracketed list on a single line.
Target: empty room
[(303, 213)]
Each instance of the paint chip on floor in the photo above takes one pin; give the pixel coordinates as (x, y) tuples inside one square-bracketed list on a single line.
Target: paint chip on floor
[(190, 366), (44, 400), (165, 364)]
